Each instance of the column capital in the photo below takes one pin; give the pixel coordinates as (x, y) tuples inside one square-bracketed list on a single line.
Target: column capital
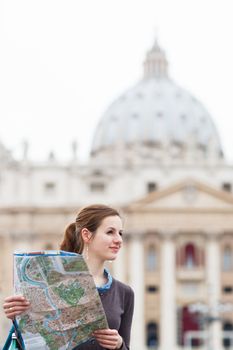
[(213, 235), (227, 234), (135, 235), (168, 235)]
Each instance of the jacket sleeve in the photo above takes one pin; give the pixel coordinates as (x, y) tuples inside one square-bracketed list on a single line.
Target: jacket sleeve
[(126, 319)]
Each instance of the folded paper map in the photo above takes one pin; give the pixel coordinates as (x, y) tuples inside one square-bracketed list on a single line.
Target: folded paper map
[(65, 304)]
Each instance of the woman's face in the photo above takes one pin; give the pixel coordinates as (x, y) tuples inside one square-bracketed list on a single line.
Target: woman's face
[(107, 240)]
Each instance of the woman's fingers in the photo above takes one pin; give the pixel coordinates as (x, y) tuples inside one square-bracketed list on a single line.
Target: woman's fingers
[(14, 312), (11, 312), (16, 308), (15, 298), (108, 338), (106, 335), (15, 305), (106, 331)]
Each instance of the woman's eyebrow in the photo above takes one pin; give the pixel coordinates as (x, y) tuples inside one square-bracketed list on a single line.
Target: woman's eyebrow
[(113, 228)]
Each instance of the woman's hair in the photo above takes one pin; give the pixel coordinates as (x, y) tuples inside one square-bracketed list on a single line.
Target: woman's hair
[(90, 218)]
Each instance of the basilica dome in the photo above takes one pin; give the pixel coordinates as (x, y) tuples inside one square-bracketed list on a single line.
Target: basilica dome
[(156, 118)]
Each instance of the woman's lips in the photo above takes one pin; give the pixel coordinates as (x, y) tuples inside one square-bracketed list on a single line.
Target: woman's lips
[(114, 249)]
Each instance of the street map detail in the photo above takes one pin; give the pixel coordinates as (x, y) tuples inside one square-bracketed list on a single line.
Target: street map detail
[(65, 304)]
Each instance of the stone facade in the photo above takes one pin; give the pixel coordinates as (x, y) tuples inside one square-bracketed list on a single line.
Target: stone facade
[(177, 204)]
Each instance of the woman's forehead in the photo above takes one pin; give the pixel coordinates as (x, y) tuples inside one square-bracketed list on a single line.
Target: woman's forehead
[(112, 221)]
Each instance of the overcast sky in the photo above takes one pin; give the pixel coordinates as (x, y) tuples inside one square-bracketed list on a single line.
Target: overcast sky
[(62, 62)]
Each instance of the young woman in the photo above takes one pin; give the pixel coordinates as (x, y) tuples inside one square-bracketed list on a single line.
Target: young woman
[(97, 234)]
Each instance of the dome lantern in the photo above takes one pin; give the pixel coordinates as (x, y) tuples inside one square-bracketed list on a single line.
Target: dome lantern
[(155, 65)]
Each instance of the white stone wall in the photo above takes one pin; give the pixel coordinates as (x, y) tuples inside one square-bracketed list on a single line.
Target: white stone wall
[(25, 184)]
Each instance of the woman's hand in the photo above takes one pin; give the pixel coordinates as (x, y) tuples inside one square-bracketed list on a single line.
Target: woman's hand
[(108, 338), (15, 305)]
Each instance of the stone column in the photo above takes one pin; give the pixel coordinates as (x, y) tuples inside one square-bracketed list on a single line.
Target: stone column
[(213, 283), (136, 281), (168, 303)]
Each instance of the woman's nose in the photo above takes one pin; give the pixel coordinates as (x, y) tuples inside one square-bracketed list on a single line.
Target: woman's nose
[(118, 238)]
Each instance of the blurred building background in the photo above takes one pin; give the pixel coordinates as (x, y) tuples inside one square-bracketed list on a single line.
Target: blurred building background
[(156, 155)]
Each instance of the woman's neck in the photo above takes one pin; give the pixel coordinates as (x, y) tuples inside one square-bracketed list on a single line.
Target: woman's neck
[(97, 271)]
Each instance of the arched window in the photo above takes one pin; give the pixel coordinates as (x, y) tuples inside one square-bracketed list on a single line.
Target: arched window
[(227, 258), (151, 258), (227, 342), (190, 256), (152, 335)]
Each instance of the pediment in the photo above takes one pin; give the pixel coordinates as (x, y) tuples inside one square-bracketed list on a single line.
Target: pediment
[(187, 194)]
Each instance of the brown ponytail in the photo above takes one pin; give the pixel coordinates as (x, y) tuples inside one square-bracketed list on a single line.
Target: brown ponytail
[(72, 241), (89, 217)]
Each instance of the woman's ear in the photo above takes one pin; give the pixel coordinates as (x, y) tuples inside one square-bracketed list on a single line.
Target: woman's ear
[(86, 235)]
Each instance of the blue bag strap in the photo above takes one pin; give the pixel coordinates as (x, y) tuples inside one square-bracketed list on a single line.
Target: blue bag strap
[(18, 335), (14, 329)]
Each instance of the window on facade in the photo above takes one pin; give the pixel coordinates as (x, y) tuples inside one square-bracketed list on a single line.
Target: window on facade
[(228, 341), (227, 258), (190, 256), (228, 289), (226, 186), (152, 289), (49, 187), (151, 258), (97, 172), (97, 187), (152, 335), (151, 187)]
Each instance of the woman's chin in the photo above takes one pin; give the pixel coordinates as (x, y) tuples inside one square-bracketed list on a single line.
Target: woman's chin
[(112, 257)]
